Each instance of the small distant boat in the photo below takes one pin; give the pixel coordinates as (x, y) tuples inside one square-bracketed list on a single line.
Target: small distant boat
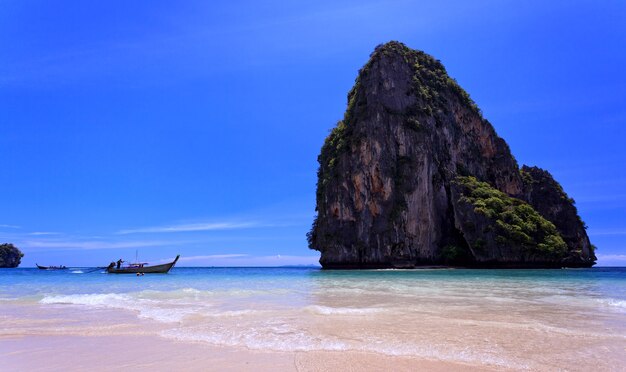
[(141, 268), (51, 267)]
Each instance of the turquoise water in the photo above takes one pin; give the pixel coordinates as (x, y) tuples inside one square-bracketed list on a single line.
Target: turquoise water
[(602, 284), (596, 282), (523, 319)]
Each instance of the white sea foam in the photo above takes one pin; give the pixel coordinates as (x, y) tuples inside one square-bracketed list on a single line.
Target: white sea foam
[(283, 337), (190, 290), (105, 299), (615, 304), (326, 310), (77, 272), (277, 338), (147, 309), (170, 306), (231, 313), (220, 294), (165, 315)]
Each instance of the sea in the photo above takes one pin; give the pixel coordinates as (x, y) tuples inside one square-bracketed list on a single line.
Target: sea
[(568, 319)]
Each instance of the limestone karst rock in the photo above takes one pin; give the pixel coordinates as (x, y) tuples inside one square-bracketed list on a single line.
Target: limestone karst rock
[(414, 175)]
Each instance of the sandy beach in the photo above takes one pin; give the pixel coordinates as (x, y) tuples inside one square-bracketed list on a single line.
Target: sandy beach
[(110, 340)]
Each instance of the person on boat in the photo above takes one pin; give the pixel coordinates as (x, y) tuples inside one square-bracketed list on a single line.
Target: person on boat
[(119, 263)]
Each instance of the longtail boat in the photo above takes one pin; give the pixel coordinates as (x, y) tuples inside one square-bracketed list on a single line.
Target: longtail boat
[(140, 268), (51, 267)]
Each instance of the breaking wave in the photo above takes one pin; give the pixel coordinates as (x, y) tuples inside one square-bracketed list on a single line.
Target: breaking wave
[(148, 309), (615, 304)]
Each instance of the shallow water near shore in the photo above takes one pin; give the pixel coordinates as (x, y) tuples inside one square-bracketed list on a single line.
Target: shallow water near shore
[(520, 319)]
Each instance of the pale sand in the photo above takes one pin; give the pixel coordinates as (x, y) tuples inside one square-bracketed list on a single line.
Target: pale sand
[(143, 353), (45, 339)]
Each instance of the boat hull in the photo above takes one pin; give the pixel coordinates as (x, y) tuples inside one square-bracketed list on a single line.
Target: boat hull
[(157, 269), (50, 267)]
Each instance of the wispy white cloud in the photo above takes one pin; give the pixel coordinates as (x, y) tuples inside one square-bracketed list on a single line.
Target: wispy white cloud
[(40, 233), (606, 232), (621, 257), (280, 260), (204, 226), (93, 244), (601, 198), (10, 226), (611, 259), (246, 260), (208, 257)]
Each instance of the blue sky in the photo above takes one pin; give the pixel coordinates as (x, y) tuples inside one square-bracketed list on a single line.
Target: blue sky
[(193, 127)]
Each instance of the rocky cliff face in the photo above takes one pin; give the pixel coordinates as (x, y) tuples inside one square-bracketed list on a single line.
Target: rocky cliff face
[(10, 256), (397, 174)]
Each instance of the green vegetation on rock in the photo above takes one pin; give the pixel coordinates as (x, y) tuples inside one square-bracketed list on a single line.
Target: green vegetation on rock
[(338, 141), (334, 144), (453, 254), (430, 79), (515, 222), (529, 180)]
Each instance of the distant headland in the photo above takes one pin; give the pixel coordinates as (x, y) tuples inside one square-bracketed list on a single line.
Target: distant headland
[(10, 255), (414, 175)]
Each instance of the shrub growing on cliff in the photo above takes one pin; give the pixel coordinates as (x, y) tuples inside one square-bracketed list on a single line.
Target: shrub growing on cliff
[(334, 144), (515, 222), (452, 254)]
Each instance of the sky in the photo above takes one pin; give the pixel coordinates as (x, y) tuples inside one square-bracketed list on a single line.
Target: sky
[(193, 127)]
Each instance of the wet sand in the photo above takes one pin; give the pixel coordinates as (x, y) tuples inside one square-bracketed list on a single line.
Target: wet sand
[(149, 353), (45, 339)]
